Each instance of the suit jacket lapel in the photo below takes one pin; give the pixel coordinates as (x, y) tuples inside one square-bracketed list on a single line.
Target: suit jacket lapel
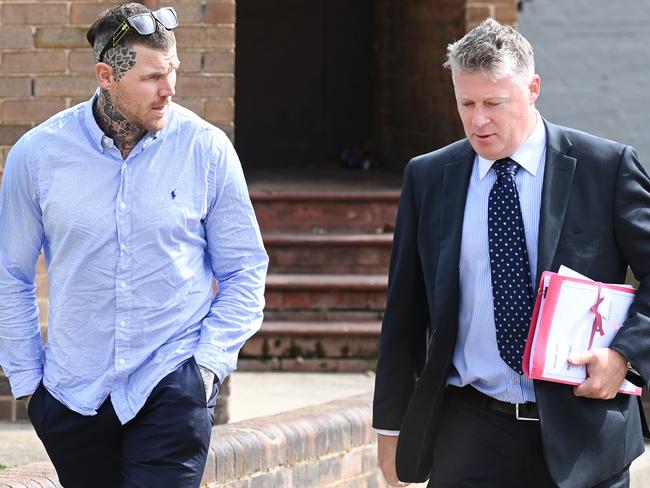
[(558, 176), (454, 194)]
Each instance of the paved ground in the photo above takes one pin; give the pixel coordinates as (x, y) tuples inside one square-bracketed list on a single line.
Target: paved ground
[(19, 444), (251, 395)]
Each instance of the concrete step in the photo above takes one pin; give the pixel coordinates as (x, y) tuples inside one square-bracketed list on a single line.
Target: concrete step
[(326, 211), (328, 253), (298, 339), (325, 292)]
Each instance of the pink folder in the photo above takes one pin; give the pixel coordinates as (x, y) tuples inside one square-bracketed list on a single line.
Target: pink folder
[(573, 315)]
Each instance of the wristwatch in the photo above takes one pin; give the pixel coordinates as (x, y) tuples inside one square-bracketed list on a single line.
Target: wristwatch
[(633, 376)]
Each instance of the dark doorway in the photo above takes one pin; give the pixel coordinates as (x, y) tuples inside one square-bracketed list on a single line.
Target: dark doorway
[(304, 81)]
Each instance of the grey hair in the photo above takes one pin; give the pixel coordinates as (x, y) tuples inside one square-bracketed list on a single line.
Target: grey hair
[(494, 49)]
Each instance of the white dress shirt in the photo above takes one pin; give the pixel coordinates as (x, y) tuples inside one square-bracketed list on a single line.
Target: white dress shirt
[(476, 359)]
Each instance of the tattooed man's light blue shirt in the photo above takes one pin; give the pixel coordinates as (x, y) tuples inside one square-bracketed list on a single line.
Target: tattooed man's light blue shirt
[(132, 247)]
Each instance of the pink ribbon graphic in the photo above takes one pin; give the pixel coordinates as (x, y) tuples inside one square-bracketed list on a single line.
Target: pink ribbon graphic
[(599, 320)]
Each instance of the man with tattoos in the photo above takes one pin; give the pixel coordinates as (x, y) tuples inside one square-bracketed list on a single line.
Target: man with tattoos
[(138, 205)]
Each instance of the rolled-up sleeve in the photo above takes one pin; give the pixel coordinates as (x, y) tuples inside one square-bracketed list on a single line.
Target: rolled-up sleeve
[(238, 261), (21, 239)]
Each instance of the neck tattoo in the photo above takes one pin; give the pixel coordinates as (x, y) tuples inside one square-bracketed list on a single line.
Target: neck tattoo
[(125, 134)]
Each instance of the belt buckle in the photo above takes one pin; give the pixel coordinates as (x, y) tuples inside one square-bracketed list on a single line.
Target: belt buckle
[(519, 417)]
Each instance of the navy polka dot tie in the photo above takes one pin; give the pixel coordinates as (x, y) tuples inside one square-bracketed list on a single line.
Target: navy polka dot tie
[(511, 287)]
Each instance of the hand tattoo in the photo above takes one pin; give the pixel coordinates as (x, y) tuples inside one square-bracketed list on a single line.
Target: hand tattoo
[(125, 134)]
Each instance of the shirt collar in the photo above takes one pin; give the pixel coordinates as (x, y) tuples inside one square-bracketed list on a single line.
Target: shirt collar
[(529, 154), (97, 136)]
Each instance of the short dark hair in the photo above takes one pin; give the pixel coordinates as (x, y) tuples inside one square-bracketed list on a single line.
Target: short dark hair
[(109, 20)]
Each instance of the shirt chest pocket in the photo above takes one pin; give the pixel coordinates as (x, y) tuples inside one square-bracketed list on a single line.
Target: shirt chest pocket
[(168, 212)]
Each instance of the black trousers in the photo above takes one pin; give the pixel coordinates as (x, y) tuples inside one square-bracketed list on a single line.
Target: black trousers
[(165, 445), (481, 448)]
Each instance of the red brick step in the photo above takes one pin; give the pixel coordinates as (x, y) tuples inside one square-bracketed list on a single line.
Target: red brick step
[(325, 292), (314, 340), (328, 253), (326, 211), (323, 315)]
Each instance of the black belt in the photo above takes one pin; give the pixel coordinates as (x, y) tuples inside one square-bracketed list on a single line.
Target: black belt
[(470, 395)]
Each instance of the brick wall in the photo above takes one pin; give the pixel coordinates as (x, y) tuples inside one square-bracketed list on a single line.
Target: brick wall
[(416, 110), (329, 446), (46, 66), (504, 11)]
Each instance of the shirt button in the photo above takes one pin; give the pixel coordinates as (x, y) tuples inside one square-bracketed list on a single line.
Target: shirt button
[(122, 361), (123, 165), (122, 205), (122, 246), (123, 284), (122, 323)]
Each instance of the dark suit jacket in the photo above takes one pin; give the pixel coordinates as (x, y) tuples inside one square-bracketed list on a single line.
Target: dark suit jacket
[(595, 218)]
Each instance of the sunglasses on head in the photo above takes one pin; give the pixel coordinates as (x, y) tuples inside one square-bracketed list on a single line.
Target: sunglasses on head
[(144, 24)]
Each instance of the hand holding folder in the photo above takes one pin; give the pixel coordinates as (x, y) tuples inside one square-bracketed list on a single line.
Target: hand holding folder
[(573, 314)]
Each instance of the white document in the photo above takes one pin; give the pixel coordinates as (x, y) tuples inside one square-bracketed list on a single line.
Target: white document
[(569, 326)]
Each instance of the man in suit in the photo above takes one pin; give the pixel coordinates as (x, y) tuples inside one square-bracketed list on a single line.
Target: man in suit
[(478, 222)]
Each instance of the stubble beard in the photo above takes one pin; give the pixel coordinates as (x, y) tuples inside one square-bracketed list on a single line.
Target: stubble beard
[(141, 116)]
